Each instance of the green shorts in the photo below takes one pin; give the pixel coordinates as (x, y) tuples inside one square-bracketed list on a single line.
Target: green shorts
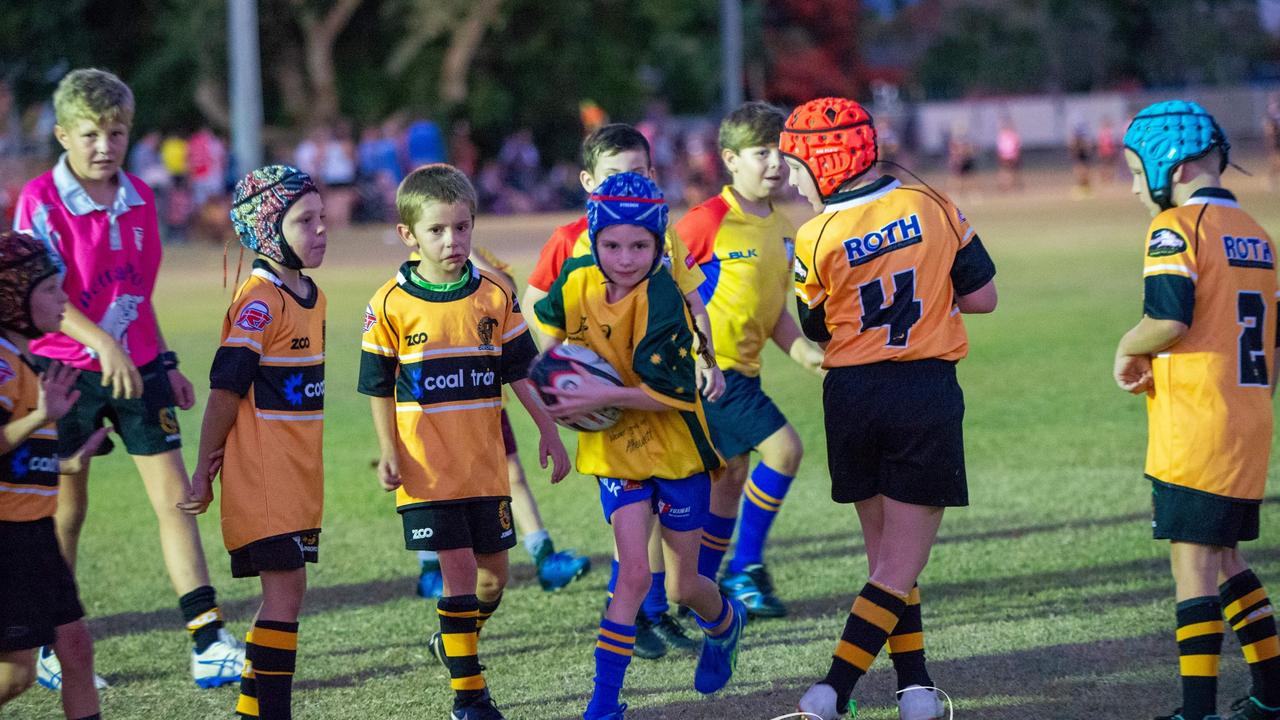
[(148, 425), (1185, 515)]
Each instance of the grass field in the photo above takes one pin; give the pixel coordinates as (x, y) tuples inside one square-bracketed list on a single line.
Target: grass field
[(1044, 599)]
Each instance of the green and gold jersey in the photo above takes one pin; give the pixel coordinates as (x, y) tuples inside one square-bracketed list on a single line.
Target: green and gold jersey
[(647, 336), (1209, 266), (444, 354)]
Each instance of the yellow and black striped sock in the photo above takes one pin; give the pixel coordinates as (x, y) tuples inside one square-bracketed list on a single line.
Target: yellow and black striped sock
[(1248, 611), (874, 614), (1199, 650), (906, 645), (459, 616), (202, 615), (247, 703), (274, 653), (487, 609)]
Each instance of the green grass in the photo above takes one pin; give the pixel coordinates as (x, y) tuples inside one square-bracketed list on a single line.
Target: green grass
[(1046, 598)]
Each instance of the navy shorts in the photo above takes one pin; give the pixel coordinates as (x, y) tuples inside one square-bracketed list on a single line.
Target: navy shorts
[(894, 429), (679, 504), (743, 417), (37, 591), (1185, 515)]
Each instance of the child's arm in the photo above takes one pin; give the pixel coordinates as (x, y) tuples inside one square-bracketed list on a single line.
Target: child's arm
[(1132, 369), (982, 300), (786, 333), (384, 426), (219, 416), (118, 371), (55, 399), (710, 377), (593, 393), (549, 444), (184, 393)]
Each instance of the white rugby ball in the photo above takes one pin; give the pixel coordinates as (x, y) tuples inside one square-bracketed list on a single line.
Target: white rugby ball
[(561, 367)]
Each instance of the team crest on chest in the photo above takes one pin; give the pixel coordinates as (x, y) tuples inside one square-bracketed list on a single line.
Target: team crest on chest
[(254, 317), (1165, 242), (485, 328)]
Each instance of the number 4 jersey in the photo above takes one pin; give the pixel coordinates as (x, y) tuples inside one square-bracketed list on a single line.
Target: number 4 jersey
[(1210, 266), (877, 274)]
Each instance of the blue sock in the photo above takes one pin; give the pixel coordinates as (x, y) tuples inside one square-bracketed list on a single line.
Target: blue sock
[(716, 533), (655, 601), (613, 582), (762, 498), (614, 646), (726, 611)]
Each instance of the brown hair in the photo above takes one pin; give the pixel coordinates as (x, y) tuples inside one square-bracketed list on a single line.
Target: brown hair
[(437, 182), (754, 124), (610, 139)]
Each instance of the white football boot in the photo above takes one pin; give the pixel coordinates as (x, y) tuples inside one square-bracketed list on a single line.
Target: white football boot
[(220, 664)]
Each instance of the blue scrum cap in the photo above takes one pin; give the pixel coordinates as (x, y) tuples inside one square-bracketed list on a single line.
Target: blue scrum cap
[(1167, 134)]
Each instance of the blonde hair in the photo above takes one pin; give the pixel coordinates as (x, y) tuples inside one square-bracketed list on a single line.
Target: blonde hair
[(92, 94), (754, 124), (437, 182)]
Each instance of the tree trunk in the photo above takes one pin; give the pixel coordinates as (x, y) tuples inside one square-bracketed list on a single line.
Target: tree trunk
[(463, 45), (319, 36)]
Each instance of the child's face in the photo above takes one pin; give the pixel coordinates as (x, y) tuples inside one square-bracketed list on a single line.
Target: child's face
[(626, 254), (635, 160), (303, 228), (757, 171), (1140, 182), (48, 302), (800, 179), (95, 150), (442, 235)]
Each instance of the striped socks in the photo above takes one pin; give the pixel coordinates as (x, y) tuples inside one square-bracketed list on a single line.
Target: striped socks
[(1199, 651), (485, 610), (459, 616), (266, 685), (614, 646), (1248, 611), (874, 615), (906, 645), (716, 533), (762, 498)]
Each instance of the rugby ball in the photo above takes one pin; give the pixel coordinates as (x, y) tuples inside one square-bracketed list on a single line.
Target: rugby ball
[(562, 367)]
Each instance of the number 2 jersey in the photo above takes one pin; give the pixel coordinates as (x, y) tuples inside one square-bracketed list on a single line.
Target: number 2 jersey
[(28, 472), (1209, 266), (272, 356), (877, 274)]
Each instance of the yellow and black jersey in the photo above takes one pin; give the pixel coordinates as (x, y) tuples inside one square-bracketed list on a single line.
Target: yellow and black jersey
[(878, 272), (28, 472), (1209, 266), (647, 336), (444, 357), (272, 355), (747, 263)]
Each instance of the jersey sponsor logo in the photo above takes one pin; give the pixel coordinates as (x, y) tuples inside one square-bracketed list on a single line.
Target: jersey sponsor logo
[(901, 233), (254, 317), (24, 463), (301, 343), (369, 318), (1248, 252), (455, 379), (421, 533), (742, 254), (7, 372), (1165, 242), (415, 339), (295, 391), (485, 327)]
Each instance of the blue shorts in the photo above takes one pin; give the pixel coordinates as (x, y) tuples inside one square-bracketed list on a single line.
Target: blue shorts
[(679, 504), (743, 417)]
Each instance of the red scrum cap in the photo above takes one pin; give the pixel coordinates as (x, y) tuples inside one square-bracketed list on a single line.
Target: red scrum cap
[(834, 138)]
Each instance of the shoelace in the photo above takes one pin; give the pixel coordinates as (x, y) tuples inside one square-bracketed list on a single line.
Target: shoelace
[(951, 711)]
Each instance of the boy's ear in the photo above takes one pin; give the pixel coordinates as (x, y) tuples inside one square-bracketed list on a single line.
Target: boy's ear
[(61, 135), (406, 236), (730, 159), (588, 182)]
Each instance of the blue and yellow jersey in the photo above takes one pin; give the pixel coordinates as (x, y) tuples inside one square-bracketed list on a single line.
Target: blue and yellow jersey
[(647, 336), (444, 356), (28, 472), (572, 241), (272, 356), (747, 263), (878, 272), (1210, 266)]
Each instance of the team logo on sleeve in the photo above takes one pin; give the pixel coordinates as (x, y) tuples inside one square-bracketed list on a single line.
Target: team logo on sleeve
[(485, 328), (254, 317), (1165, 242), (7, 372), (369, 318), (960, 216)]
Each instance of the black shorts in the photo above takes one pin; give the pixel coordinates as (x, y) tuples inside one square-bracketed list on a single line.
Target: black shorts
[(148, 425), (1185, 515), (894, 429), (743, 417), (37, 591), (284, 552), (482, 524)]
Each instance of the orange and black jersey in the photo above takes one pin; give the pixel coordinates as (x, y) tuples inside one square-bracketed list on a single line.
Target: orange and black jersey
[(444, 356), (28, 472), (272, 356), (878, 272)]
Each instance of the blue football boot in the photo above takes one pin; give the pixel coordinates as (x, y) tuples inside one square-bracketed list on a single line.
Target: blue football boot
[(720, 655)]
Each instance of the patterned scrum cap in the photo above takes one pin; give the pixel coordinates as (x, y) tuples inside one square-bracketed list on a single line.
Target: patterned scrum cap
[(258, 207), (1167, 134), (627, 199), (24, 263)]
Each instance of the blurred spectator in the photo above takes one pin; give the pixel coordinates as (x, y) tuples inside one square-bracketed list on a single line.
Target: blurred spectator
[(206, 165), (11, 143), (145, 161), (1109, 159), (961, 156), (463, 153), (592, 116), (307, 155), (179, 210), (1080, 148), (338, 174), (423, 144), (173, 153), (1271, 135), (520, 160), (1008, 156)]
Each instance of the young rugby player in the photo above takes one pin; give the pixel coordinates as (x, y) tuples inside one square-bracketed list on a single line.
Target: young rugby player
[(556, 568), (264, 424), (38, 601), (440, 340), (1204, 354), (653, 465), (101, 223), (883, 275), (744, 247), (612, 149)]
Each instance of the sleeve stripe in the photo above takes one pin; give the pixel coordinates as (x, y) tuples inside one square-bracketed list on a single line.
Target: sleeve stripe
[(458, 351), (292, 360), (7, 402), (244, 341), (814, 302), (1171, 270), (514, 331), (967, 235), (366, 345)]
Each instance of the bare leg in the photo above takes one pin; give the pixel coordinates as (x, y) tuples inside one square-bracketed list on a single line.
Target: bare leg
[(726, 491), (282, 593), (913, 527), (684, 584), (74, 648), (459, 570), (73, 503), (523, 505), (632, 529), (491, 575), (165, 477), (17, 673)]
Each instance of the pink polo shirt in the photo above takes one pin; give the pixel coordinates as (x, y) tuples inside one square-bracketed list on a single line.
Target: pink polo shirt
[(111, 256)]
